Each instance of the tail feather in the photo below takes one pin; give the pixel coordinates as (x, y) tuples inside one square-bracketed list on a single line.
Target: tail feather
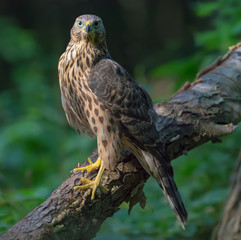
[(172, 194), (162, 171)]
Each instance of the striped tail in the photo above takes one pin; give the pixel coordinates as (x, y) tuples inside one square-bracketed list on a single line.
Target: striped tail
[(169, 188), (163, 173)]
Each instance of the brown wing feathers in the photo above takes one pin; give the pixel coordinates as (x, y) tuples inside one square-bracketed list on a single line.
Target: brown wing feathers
[(133, 108)]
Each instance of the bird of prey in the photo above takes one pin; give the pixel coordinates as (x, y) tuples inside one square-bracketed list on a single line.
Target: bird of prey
[(100, 98)]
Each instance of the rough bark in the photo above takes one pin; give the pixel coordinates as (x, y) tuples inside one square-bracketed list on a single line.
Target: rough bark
[(199, 112), (229, 227)]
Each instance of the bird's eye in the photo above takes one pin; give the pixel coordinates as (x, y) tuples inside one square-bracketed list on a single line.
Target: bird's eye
[(96, 24), (79, 23)]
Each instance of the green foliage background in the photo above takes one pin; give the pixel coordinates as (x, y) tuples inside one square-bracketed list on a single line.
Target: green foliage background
[(38, 148)]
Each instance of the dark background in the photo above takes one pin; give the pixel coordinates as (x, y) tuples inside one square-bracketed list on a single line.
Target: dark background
[(162, 44)]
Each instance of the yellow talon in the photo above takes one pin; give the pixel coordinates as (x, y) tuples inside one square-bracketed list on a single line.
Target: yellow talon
[(90, 168), (95, 183)]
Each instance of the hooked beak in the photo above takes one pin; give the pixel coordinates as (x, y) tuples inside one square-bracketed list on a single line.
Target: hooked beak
[(87, 27)]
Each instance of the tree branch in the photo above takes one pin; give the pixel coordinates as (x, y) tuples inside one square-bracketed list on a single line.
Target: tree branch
[(199, 112)]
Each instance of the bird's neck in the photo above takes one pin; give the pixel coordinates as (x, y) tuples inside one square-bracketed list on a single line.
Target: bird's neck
[(87, 53)]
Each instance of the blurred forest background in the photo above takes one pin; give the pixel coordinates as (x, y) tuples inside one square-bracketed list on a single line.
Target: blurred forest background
[(162, 44)]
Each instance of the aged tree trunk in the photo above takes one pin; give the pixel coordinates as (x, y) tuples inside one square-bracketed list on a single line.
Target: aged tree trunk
[(229, 227), (199, 112)]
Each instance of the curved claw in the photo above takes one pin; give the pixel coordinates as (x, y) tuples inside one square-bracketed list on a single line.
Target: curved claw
[(118, 171)]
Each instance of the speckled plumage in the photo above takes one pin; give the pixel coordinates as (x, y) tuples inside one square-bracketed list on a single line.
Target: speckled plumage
[(100, 98)]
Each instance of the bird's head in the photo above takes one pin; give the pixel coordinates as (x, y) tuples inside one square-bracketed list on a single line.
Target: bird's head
[(88, 28)]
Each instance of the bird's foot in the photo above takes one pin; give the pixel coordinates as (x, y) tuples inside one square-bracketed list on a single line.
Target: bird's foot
[(93, 184), (88, 169)]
